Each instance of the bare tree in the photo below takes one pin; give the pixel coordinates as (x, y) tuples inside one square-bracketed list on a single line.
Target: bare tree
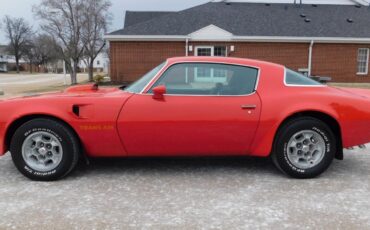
[(29, 54), (44, 49), (96, 20), (18, 32), (63, 20)]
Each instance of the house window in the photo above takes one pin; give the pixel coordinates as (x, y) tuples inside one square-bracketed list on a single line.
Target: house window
[(204, 51), (98, 62), (220, 51), (363, 61), (202, 74)]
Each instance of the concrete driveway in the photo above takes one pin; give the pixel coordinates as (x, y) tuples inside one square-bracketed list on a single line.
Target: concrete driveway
[(205, 193), (16, 84)]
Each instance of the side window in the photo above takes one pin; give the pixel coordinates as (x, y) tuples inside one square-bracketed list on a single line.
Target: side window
[(208, 79), (294, 78)]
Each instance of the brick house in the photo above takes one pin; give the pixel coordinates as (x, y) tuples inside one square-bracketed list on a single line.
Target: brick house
[(317, 39)]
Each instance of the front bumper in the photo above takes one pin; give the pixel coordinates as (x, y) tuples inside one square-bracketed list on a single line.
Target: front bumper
[(3, 148)]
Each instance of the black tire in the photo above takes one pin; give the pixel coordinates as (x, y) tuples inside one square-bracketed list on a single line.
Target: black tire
[(287, 131), (67, 138)]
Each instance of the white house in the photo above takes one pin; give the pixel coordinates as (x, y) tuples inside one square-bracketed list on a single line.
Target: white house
[(3, 60), (7, 62), (3, 64), (101, 63)]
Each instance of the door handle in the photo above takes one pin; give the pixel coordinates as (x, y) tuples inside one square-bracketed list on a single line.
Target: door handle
[(249, 106)]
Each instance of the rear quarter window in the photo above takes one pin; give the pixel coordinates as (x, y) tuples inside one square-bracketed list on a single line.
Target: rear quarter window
[(294, 78)]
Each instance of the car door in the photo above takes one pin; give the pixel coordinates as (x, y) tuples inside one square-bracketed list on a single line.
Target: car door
[(208, 109)]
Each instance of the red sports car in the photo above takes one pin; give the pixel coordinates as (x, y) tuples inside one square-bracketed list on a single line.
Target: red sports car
[(190, 106)]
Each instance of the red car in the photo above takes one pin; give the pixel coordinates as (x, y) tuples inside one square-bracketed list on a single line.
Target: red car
[(190, 106)]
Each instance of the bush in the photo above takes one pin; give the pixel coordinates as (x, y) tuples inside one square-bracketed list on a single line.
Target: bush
[(99, 78)]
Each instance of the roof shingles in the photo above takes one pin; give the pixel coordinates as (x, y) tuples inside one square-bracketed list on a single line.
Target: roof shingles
[(256, 19), (135, 17)]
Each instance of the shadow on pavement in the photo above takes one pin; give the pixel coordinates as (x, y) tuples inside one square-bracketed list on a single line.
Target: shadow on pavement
[(351, 166), (177, 164)]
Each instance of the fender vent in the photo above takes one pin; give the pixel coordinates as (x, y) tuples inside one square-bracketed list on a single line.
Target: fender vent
[(76, 110)]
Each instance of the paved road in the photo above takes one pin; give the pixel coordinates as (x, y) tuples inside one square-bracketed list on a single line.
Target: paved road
[(222, 193), (15, 84)]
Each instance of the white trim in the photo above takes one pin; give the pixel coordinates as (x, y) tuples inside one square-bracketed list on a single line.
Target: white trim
[(187, 47), (204, 47), (145, 37), (211, 33), (310, 58), (367, 61), (301, 39), (362, 2), (240, 39)]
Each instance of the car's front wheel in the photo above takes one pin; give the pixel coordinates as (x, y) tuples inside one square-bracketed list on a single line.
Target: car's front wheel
[(44, 149), (304, 147)]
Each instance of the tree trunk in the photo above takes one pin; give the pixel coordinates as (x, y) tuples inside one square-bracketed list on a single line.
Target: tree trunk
[(30, 67), (17, 63), (91, 71), (73, 78), (74, 73)]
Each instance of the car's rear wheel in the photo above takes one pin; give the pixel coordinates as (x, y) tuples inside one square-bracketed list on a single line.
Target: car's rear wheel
[(44, 149), (304, 147)]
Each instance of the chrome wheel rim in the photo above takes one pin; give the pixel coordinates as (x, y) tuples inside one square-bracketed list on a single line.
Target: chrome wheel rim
[(306, 149), (42, 151)]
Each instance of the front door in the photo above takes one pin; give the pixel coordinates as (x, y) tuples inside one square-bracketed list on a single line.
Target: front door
[(195, 117)]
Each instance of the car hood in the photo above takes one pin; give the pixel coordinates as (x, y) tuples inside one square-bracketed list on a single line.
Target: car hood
[(88, 90)]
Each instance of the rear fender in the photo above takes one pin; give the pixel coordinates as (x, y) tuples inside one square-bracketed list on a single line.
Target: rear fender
[(271, 122)]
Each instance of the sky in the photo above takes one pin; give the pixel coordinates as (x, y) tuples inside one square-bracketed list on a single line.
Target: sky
[(23, 8)]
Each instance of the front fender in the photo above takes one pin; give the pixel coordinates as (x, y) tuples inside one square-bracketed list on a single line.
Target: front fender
[(12, 112), (95, 124)]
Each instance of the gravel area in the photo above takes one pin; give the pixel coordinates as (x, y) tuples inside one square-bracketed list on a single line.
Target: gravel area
[(188, 193)]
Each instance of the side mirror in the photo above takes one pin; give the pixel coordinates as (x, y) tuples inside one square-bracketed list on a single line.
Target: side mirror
[(159, 91)]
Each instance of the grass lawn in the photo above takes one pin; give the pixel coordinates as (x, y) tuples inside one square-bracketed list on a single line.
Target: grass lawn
[(22, 73), (352, 85), (53, 88), (46, 89)]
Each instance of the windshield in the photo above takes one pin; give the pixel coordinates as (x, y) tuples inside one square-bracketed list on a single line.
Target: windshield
[(140, 84)]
